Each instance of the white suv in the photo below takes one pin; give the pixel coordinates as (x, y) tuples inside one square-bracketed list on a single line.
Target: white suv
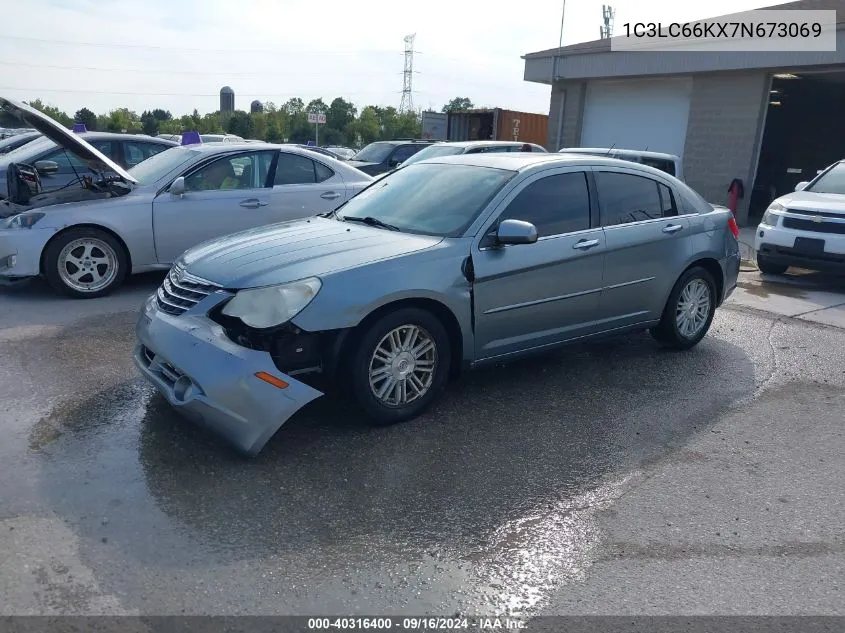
[(805, 228)]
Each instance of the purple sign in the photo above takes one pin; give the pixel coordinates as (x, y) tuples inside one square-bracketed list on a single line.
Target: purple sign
[(191, 138)]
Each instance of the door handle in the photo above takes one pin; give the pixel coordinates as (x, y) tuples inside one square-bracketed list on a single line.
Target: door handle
[(252, 203), (330, 195), (585, 244), (672, 228)]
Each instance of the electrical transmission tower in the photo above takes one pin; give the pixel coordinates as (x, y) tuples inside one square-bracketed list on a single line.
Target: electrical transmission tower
[(607, 13), (407, 103)]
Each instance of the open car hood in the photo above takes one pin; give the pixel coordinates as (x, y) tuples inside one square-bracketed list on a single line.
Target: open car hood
[(93, 158)]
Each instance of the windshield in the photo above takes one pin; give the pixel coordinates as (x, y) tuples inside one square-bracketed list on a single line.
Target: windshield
[(374, 152), (832, 181), (158, 166), (432, 199), (434, 151)]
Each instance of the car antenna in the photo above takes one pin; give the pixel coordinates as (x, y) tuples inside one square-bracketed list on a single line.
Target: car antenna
[(610, 149)]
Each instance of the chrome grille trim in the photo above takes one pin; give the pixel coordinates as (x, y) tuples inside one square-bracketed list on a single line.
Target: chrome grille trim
[(181, 291)]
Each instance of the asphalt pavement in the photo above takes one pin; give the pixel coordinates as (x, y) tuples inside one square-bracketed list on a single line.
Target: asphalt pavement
[(606, 478)]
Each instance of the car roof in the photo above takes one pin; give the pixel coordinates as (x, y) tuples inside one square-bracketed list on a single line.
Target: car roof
[(118, 136), (618, 150), (521, 161), (484, 143)]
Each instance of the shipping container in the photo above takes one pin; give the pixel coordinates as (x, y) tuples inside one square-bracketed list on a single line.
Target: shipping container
[(434, 125), (496, 124)]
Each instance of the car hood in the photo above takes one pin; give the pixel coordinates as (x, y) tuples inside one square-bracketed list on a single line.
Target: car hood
[(93, 158), (288, 251), (810, 201)]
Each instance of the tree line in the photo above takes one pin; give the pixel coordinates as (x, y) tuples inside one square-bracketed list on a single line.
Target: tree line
[(287, 123)]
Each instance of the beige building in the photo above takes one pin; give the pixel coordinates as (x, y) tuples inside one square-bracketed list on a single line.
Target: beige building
[(770, 119)]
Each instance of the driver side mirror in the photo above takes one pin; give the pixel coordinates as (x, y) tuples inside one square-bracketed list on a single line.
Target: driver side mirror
[(178, 186), (801, 185), (394, 162), (516, 232), (46, 167)]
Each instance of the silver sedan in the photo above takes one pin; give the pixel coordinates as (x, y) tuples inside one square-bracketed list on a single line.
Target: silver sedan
[(85, 240)]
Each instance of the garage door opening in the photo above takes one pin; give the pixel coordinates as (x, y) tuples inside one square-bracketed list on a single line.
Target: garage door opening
[(804, 133)]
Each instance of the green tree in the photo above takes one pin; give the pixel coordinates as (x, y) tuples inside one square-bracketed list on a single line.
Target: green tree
[(341, 116), (294, 106), (87, 118), (366, 127), (53, 112), (239, 123), (122, 120), (211, 123), (459, 104)]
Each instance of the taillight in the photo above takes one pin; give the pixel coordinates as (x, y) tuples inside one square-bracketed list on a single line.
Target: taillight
[(733, 226)]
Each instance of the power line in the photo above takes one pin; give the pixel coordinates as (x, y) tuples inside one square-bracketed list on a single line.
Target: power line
[(173, 94), (181, 48), (168, 71), (195, 94)]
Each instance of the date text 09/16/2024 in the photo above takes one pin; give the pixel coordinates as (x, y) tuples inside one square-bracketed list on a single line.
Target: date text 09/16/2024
[(415, 623)]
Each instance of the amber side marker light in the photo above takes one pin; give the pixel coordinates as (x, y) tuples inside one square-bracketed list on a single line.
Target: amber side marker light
[(271, 379)]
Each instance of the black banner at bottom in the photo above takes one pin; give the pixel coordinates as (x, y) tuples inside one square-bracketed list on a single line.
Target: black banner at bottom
[(297, 624)]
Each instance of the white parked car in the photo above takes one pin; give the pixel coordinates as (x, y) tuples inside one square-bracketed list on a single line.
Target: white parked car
[(806, 228), (87, 238)]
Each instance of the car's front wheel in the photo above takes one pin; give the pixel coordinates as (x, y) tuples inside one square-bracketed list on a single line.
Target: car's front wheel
[(85, 263), (400, 365), (689, 310), (770, 268)]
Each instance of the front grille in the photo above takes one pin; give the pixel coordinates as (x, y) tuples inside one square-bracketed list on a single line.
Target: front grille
[(180, 291), (823, 214), (801, 224)]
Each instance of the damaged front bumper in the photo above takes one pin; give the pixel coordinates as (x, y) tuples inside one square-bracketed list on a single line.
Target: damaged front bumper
[(20, 253), (213, 381)]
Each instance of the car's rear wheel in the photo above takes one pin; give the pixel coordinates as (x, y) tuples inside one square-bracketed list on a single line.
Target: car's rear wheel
[(770, 268), (85, 263), (400, 365), (688, 312)]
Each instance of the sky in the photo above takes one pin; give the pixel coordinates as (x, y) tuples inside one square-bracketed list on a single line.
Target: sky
[(177, 54)]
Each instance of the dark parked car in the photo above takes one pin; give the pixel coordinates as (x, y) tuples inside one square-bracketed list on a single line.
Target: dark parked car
[(15, 141), (382, 156)]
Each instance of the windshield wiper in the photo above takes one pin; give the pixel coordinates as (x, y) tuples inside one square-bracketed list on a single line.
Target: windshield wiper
[(371, 221)]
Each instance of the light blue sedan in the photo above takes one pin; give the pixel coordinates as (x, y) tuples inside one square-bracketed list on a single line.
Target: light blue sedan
[(447, 264)]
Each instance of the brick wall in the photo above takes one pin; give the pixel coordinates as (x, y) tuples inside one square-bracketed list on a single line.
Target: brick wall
[(572, 114), (722, 133)]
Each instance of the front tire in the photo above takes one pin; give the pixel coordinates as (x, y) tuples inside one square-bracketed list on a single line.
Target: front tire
[(770, 268), (85, 263), (400, 366), (688, 312)]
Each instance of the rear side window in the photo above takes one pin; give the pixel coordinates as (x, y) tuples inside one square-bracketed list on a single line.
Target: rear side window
[(627, 198), (135, 152), (667, 201), (323, 172), (554, 204), (404, 152), (662, 164), (293, 169)]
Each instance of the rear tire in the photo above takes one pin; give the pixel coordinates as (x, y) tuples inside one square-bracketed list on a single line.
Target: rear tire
[(688, 312), (770, 268), (85, 263), (400, 366)]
